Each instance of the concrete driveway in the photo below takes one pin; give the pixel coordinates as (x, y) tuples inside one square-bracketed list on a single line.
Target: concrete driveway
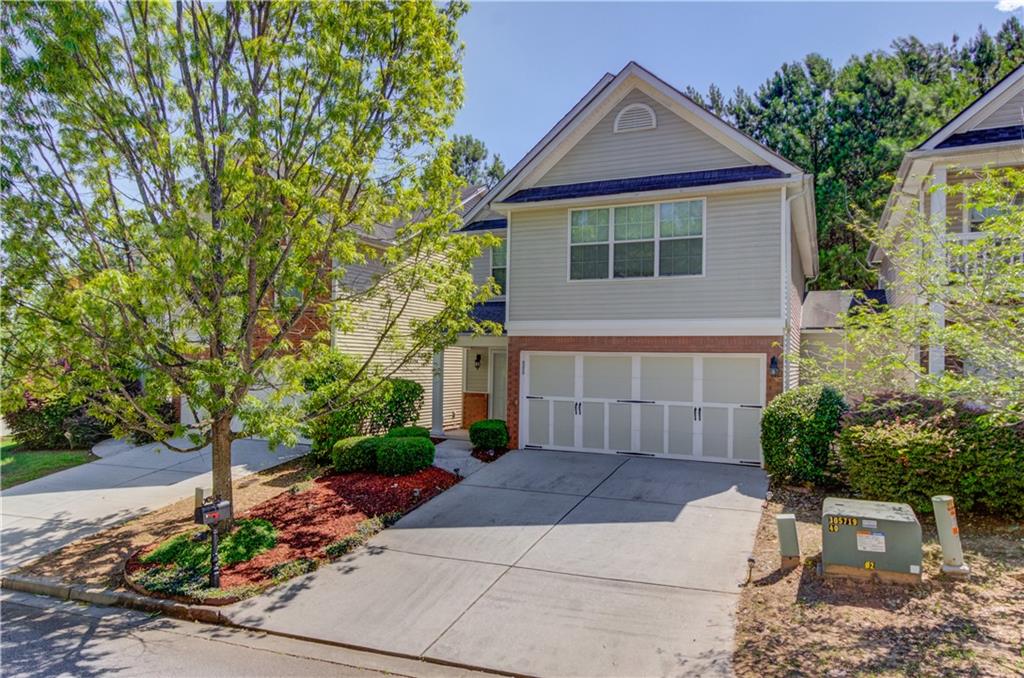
[(549, 564), (128, 480)]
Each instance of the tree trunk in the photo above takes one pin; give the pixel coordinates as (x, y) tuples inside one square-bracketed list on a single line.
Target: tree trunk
[(222, 463)]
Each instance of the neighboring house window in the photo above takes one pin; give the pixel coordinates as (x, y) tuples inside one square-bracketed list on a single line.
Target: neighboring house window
[(499, 267), (637, 241)]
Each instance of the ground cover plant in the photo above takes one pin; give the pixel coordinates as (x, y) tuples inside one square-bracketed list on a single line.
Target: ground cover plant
[(288, 534)]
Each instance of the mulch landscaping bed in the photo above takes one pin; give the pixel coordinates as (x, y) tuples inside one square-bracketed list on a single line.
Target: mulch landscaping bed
[(798, 624), (312, 516), (487, 456)]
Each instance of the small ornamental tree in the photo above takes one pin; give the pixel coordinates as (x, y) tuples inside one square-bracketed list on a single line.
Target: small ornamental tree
[(186, 184), (965, 294)]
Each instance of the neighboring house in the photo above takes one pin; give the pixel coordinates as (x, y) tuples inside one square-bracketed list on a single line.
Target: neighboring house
[(821, 326), (653, 268), (988, 133)]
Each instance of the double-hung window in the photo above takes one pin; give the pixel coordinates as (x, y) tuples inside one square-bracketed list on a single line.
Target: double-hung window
[(637, 241), (499, 267)]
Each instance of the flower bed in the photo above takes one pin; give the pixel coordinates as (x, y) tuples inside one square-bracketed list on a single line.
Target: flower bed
[(307, 521)]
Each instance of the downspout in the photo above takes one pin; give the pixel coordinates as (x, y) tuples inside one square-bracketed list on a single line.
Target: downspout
[(789, 257)]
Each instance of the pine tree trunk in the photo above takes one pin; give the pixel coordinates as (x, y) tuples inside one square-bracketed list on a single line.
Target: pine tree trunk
[(222, 463)]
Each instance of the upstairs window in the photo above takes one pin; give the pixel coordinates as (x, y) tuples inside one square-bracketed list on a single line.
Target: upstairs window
[(637, 241), (499, 267)]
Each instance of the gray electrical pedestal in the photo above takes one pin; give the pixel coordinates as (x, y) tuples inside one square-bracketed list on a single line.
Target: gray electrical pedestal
[(870, 539)]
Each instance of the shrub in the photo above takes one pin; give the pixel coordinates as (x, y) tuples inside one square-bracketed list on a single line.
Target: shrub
[(489, 434), (409, 432), (798, 429), (905, 448), (391, 403), (358, 453), (54, 424), (293, 568), (400, 456)]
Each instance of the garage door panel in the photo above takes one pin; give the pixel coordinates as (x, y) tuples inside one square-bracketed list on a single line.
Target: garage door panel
[(539, 415), (666, 378), (715, 424), (564, 431), (732, 380), (607, 377), (680, 430), (652, 428), (593, 426), (553, 376), (746, 437), (620, 427)]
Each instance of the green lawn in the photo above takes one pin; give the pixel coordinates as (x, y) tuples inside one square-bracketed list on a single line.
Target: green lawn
[(19, 466)]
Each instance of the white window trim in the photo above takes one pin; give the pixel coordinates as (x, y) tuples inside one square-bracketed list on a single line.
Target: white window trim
[(611, 242), (625, 109), (490, 269)]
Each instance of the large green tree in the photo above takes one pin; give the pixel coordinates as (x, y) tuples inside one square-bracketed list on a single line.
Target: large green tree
[(851, 126), (469, 161), (185, 184)]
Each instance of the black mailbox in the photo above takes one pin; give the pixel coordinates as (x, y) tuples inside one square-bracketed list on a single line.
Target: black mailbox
[(213, 512)]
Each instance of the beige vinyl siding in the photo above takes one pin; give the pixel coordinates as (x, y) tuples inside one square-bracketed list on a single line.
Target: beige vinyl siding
[(476, 379), (673, 146), (796, 296), (1007, 115), (368, 322), (482, 264), (741, 276)]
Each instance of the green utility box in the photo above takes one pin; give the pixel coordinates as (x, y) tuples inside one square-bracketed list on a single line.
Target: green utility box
[(869, 539)]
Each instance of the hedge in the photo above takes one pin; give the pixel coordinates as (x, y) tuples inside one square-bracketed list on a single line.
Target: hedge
[(392, 403), (489, 434), (798, 429), (409, 432), (55, 424), (905, 448), (358, 453), (401, 456)]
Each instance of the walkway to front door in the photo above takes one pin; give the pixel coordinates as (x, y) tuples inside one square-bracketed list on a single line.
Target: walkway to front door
[(546, 563)]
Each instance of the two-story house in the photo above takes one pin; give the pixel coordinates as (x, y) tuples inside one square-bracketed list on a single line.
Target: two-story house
[(988, 133), (653, 266)]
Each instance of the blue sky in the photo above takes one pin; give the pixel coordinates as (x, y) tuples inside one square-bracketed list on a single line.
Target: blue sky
[(527, 63)]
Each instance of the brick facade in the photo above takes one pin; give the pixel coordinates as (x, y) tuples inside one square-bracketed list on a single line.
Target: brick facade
[(770, 346), (474, 408)]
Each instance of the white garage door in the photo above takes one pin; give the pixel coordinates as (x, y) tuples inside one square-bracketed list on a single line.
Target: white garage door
[(692, 406)]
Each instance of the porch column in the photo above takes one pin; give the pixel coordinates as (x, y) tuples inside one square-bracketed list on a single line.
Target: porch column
[(437, 396), (937, 205)]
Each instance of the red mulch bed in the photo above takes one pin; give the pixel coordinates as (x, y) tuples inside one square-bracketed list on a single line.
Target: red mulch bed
[(487, 456), (309, 521)]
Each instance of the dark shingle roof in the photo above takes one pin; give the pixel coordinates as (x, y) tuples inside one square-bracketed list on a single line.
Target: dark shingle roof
[(493, 311), (485, 225), (653, 183), (984, 136)]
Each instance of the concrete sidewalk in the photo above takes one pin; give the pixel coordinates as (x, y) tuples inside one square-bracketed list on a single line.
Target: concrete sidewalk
[(128, 480), (548, 564)]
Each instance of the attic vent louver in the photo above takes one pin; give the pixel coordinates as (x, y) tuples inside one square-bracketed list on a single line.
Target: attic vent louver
[(635, 117)]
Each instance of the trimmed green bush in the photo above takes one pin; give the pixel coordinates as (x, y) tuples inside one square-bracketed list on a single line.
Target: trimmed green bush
[(358, 453), (392, 403), (401, 456), (798, 429), (906, 448), (489, 434), (408, 432)]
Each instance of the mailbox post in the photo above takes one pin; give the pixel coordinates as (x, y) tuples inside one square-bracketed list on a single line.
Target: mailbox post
[(212, 511)]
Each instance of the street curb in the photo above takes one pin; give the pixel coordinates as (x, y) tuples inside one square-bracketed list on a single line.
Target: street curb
[(101, 596)]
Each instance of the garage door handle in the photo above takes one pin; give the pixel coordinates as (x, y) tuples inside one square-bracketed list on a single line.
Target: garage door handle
[(754, 407)]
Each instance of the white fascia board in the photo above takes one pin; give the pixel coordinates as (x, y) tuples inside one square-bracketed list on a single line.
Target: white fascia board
[(481, 341), (725, 327), (513, 173), (653, 196), (1000, 93)]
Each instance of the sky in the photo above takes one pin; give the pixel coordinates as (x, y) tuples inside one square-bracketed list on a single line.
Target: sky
[(527, 63)]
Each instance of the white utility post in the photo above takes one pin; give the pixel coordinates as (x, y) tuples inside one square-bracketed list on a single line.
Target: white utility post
[(437, 396), (937, 208)]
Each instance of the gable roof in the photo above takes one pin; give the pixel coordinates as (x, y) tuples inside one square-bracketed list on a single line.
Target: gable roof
[(608, 91), (965, 121)]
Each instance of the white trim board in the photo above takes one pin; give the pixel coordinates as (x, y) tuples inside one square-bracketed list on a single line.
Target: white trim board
[(726, 327)]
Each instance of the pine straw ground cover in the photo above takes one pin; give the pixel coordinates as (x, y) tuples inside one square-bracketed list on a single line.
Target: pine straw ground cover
[(309, 515), (800, 625)]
